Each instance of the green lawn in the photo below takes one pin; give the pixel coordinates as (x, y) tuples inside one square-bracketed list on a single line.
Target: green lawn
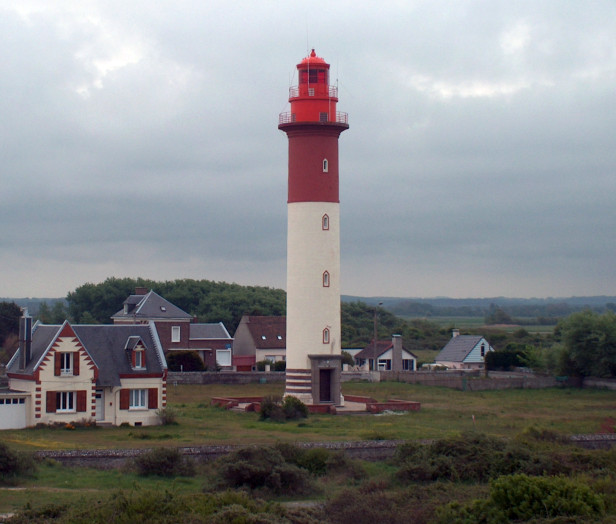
[(443, 412)]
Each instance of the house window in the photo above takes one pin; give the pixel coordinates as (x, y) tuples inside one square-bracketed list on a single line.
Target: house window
[(126, 309), (325, 222), (175, 334), (65, 401), (325, 279), (322, 117), (223, 357), (139, 360), (66, 363), (483, 350), (325, 165), (326, 336), (138, 399)]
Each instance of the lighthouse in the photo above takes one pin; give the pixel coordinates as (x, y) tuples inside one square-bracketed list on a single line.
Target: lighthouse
[(313, 126)]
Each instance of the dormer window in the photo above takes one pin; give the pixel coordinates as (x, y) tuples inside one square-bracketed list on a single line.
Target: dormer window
[(279, 337), (138, 359), (263, 337), (126, 309), (163, 309)]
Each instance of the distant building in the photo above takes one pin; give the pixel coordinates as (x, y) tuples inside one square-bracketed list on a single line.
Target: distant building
[(259, 338), (176, 329), (387, 355), (464, 352)]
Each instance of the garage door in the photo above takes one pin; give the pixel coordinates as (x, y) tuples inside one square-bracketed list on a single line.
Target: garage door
[(12, 412)]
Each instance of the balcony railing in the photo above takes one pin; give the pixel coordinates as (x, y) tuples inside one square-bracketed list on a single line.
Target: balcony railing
[(332, 91), (288, 118)]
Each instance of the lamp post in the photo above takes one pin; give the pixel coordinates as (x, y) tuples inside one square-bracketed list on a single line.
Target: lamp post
[(376, 333)]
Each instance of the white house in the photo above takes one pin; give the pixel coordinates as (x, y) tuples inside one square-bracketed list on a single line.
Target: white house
[(464, 352), (112, 374)]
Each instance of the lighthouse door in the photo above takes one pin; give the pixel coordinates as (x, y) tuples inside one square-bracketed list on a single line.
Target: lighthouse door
[(325, 385)]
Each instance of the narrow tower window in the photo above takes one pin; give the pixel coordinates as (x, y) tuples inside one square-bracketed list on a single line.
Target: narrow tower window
[(325, 165), (326, 336), (326, 279), (325, 222)]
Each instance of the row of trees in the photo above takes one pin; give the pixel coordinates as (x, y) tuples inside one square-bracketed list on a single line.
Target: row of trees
[(584, 343)]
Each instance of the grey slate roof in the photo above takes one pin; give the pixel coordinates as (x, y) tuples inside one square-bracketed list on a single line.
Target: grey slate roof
[(150, 306), (106, 344), (209, 331), (381, 347), (458, 348)]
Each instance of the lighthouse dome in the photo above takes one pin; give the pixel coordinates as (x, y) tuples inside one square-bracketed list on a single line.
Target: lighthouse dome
[(312, 60)]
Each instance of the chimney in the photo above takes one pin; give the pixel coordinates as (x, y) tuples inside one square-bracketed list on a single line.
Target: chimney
[(396, 356), (25, 339), (455, 333), (141, 291)]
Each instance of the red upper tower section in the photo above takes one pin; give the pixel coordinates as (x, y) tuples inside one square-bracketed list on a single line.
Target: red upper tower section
[(313, 126)]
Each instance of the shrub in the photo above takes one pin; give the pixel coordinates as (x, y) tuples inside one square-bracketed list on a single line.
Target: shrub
[(524, 497), (14, 464), (294, 408), (261, 468), (280, 365), (271, 408), (184, 361), (164, 462), (275, 409), (168, 416), (521, 498)]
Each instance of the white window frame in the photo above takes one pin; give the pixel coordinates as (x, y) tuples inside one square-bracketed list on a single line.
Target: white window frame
[(325, 278), (139, 359), (326, 336), (175, 334), (325, 165), (66, 402), (66, 363), (225, 355), (138, 399), (325, 222)]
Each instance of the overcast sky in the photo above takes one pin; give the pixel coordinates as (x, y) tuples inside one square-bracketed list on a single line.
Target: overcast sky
[(140, 139)]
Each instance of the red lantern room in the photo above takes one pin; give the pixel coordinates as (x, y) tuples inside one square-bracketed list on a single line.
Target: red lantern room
[(313, 100)]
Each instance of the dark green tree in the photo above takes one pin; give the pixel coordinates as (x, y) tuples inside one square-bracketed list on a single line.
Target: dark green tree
[(589, 340), (9, 320)]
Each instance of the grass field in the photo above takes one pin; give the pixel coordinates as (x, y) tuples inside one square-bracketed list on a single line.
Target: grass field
[(443, 412)]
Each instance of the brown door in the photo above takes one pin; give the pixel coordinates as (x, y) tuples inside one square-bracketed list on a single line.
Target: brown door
[(325, 387)]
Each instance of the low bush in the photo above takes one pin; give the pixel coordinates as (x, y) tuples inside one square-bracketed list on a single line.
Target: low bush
[(168, 416), (164, 462), (184, 361), (14, 464), (262, 468), (294, 408), (278, 410), (522, 497)]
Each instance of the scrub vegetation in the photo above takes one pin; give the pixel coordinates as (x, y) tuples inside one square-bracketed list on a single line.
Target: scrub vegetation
[(535, 476)]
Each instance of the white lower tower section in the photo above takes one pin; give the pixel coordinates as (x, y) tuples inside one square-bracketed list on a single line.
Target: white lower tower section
[(313, 289)]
